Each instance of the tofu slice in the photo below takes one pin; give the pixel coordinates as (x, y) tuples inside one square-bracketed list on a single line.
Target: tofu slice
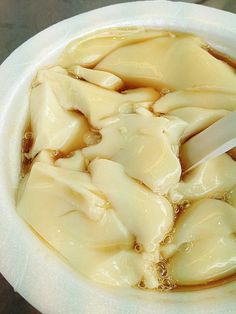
[(172, 63), (123, 269), (101, 78), (146, 215), (211, 179), (203, 244), (200, 97), (197, 119), (94, 102), (207, 261), (65, 191), (89, 51), (54, 127), (147, 147)]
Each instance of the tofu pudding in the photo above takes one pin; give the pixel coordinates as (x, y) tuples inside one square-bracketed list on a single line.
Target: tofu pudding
[(102, 182)]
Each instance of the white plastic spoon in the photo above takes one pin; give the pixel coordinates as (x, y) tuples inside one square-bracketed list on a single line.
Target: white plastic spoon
[(217, 139)]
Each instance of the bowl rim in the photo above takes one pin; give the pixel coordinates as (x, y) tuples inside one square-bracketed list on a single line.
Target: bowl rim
[(28, 265)]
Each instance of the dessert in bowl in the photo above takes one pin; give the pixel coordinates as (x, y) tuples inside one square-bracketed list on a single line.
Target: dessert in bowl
[(103, 184)]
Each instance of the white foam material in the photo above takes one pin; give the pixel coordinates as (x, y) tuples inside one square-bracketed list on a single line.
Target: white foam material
[(32, 268)]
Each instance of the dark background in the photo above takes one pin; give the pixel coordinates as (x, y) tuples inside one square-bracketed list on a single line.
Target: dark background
[(20, 20)]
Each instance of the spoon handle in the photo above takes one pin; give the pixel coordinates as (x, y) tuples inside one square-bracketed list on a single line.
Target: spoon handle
[(217, 139)]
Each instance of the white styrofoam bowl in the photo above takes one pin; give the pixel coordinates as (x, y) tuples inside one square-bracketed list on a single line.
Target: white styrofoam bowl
[(32, 268)]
